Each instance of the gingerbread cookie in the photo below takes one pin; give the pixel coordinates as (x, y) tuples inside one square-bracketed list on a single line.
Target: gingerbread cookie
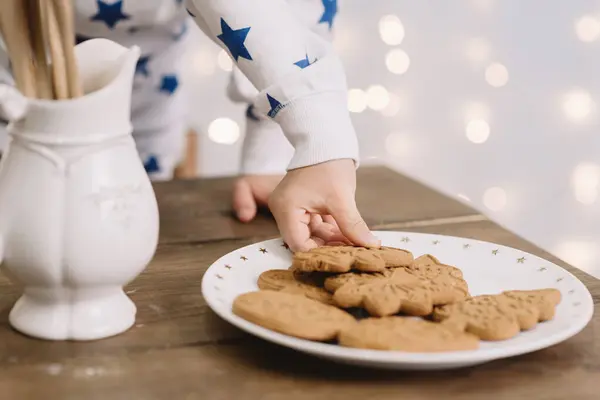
[(335, 282), (406, 334), (545, 300), (340, 259), (292, 314), (499, 317), (336, 259), (288, 281), (384, 297)]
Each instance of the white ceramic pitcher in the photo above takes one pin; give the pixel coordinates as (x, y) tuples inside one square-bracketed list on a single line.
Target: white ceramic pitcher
[(78, 215)]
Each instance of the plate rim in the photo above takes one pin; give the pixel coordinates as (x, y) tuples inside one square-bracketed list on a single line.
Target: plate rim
[(399, 357)]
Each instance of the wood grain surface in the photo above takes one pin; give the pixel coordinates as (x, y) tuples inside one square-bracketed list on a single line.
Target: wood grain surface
[(179, 349)]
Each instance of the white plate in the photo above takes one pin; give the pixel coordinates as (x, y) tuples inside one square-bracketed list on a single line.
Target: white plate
[(487, 267)]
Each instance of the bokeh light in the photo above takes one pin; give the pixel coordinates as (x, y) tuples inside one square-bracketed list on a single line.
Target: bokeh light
[(391, 30), (224, 131), (585, 181), (224, 61), (577, 105), (357, 100), (203, 62), (478, 131), (393, 107), (478, 50), (496, 75), (495, 198), (377, 97), (587, 28), (398, 144), (397, 61)]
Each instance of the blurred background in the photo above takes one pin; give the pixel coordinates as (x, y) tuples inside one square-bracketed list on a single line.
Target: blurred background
[(492, 102)]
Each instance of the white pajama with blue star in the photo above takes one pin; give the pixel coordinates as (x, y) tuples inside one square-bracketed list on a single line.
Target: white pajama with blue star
[(286, 72)]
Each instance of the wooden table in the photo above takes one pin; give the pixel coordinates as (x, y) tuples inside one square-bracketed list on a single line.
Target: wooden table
[(180, 350)]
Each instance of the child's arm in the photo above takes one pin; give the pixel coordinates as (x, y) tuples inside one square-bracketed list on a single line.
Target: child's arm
[(302, 87), (301, 81)]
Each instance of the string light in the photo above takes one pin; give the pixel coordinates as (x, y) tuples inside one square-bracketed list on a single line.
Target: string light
[(224, 61), (397, 61), (377, 97), (496, 75), (586, 181), (391, 30), (494, 198), (478, 131), (224, 131), (357, 100), (587, 28), (577, 105)]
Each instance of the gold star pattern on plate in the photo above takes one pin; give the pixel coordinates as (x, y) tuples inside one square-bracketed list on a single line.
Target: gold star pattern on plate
[(436, 242), (542, 269), (576, 304), (244, 258), (219, 276), (466, 246), (559, 280), (571, 291), (285, 245), (227, 266), (495, 252), (262, 250), (521, 260), (217, 288), (405, 239)]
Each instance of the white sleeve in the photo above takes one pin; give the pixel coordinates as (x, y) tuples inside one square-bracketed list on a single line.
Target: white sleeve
[(301, 82)]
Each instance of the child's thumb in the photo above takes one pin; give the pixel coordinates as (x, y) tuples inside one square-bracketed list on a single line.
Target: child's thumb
[(353, 226), (244, 204)]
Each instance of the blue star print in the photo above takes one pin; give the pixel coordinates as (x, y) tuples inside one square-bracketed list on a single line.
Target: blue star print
[(110, 14), (234, 40), (331, 10), (169, 84), (305, 62), (276, 106), (151, 165), (142, 66)]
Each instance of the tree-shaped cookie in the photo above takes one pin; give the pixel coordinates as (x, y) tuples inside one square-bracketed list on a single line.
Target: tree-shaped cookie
[(502, 316)]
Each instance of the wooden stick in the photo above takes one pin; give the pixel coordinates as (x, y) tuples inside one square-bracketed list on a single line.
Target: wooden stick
[(15, 31), (42, 69), (64, 14), (59, 71)]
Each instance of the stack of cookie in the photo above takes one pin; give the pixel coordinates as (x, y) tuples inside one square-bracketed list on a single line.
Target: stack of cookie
[(386, 299)]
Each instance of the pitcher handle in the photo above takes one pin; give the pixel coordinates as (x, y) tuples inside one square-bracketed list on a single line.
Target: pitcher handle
[(13, 105)]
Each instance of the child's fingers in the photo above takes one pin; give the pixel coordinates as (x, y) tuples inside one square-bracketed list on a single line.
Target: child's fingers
[(294, 227), (244, 204), (326, 229), (352, 225)]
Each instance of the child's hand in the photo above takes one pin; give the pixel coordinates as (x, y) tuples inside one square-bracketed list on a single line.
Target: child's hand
[(315, 205), (251, 192)]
